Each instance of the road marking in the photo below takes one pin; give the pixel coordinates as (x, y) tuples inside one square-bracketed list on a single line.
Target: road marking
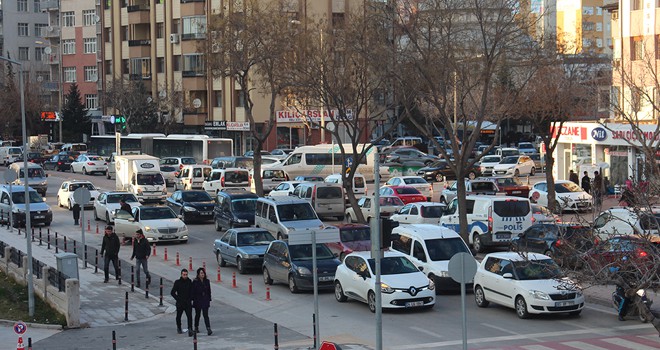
[(628, 344), (426, 331), (582, 345), (536, 347), (601, 309), (506, 330)]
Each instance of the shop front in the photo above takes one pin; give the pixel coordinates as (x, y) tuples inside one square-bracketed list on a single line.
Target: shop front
[(615, 148)]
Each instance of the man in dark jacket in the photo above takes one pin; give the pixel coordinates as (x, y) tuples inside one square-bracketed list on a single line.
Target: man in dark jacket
[(76, 213), (573, 176), (182, 293), (141, 252), (110, 247), (586, 183)]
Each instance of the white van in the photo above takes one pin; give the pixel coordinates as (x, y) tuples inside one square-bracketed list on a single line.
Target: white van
[(492, 220), (284, 215), (327, 199), (12, 200), (74, 147), (430, 247), (192, 177), (220, 179), (36, 177), (359, 183), (8, 155)]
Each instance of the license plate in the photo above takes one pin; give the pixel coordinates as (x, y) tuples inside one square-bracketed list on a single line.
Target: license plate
[(326, 278), (39, 217), (206, 213), (168, 236), (564, 303), (502, 235), (516, 192), (414, 303)]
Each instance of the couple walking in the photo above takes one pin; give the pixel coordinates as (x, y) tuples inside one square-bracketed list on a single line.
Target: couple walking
[(189, 294)]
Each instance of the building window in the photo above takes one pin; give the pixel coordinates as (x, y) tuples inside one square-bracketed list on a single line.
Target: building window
[(587, 26), (89, 45), (23, 53), (91, 73), (217, 100), (91, 101), (68, 19), (636, 5), (193, 65), (39, 54), (69, 74), (175, 26), (603, 99), (43, 76), (21, 6), (68, 47), (599, 42), (107, 35), (108, 67), (636, 48), (40, 29), (239, 96), (599, 27), (23, 29), (160, 30), (124, 66), (194, 27), (338, 20), (176, 63), (89, 17), (37, 6), (160, 65), (140, 68)]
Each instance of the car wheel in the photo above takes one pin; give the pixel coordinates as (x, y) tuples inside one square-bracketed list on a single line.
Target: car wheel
[(217, 225), (239, 265), (516, 173), (71, 169), (521, 308), (472, 175), (59, 203), (371, 301), (549, 253), (480, 298), (349, 219), (84, 170), (339, 293), (292, 284), (107, 218), (70, 206), (476, 243), (533, 172), (220, 260), (642, 316), (267, 279), (96, 216)]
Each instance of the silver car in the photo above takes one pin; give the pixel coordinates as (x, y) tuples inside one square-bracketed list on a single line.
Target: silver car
[(243, 247)]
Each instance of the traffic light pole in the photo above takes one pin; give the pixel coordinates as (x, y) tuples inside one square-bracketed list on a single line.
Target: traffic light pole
[(376, 252)]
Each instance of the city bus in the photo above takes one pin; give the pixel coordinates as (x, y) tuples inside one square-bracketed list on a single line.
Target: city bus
[(201, 147)]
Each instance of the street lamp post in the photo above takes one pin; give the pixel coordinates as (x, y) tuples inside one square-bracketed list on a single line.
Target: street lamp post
[(60, 72), (28, 225)]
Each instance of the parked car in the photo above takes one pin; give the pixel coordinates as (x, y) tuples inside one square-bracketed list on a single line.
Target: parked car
[(292, 264), (283, 216), (251, 153), (440, 171), (281, 153), (309, 178), (511, 186), (632, 254), (507, 152), (538, 162), (627, 221), (178, 162), (243, 247), (232, 162), (234, 208), (33, 157), (477, 186), (407, 194), (419, 213), (388, 206), (359, 183), (402, 284), (159, 224), (568, 195), (192, 177), (170, 174), (541, 214), (417, 182), (89, 164), (404, 155), (191, 205), (326, 198), (352, 237), (13, 199), (270, 178), (488, 163), (222, 178), (516, 166), (564, 242), (107, 203), (526, 148), (65, 194), (284, 188), (59, 162), (529, 283)]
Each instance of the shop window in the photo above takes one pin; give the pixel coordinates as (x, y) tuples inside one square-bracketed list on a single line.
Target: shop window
[(636, 48), (636, 5)]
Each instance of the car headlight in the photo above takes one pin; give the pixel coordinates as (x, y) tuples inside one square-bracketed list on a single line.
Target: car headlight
[(187, 208), (537, 294), (252, 256), (149, 229), (139, 191), (43, 183), (386, 289), (431, 284), (242, 221), (291, 229), (303, 270), (164, 190), (183, 228)]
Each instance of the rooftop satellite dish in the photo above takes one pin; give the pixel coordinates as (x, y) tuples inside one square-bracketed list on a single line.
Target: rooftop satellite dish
[(197, 103), (162, 94), (48, 50)]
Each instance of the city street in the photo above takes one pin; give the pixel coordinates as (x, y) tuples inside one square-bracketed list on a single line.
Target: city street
[(234, 310)]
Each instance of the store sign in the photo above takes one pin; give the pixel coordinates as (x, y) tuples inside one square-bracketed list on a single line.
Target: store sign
[(238, 126), (50, 117), (599, 134), (630, 135), (578, 132), (215, 125), (224, 125), (310, 116)]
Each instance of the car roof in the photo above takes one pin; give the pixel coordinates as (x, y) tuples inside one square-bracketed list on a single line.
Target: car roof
[(349, 226), (239, 195), (78, 182), (284, 200), (240, 230), (410, 177), (116, 192), (17, 188), (386, 254), (429, 204), (426, 231), (517, 256), (498, 198), (219, 170)]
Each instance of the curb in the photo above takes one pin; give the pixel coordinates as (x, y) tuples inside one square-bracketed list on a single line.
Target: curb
[(34, 325)]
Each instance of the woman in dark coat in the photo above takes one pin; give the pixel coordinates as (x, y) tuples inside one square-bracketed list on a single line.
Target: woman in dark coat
[(201, 296)]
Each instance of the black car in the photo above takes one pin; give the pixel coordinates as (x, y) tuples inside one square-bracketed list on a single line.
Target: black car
[(234, 209), (59, 162), (33, 157), (292, 264), (440, 171), (192, 205), (562, 241)]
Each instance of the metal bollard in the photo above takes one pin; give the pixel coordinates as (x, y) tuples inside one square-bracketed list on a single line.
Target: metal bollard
[(56, 245), (154, 250), (89, 226), (132, 278), (177, 259), (165, 256), (85, 256), (74, 247), (96, 262), (146, 290), (314, 326), (114, 341), (32, 234), (276, 346), (219, 277), (267, 293), (97, 228), (204, 265), (19, 231), (161, 292), (190, 268), (126, 307), (48, 237), (40, 241), (250, 285), (29, 343), (194, 340), (233, 280), (65, 244), (119, 273)]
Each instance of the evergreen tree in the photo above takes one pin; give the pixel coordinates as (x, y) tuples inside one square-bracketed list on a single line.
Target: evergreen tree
[(75, 120)]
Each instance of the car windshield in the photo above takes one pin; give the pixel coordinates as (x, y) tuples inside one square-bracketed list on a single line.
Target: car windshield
[(244, 205), (414, 181), (394, 265), (89, 186), (536, 270), (79, 148), (509, 160), (156, 213), (298, 211), (34, 172), (358, 181), (244, 163), (127, 197), (355, 234), (19, 197), (432, 211), (150, 179), (539, 209), (274, 174), (509, 181), (254, 238), (443, 249), (439, 164), (303, 252), (407, 190), (567, 187), (14, 151), (525, 145), (188, 161), (491, 159), (95, 158), (511, 208), (197, 196), (391, 201), (649, 222), (167, 169), (510, 152), (309, 178)]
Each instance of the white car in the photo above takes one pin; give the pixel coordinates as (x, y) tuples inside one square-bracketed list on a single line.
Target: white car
[(402, 284), (284, 188), (88, 164), (417, 182), (627, 221), (569, 196), (170, 173), (159, 224), (541, 214), (529, 283), (388, 206), (65, 193), (488, 163), (107, 202), (515, 165), (419, 213)]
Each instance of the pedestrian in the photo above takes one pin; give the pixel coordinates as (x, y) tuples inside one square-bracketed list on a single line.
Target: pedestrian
[(586, 183), (182, 293), (76, 213), (141, 252), (573, 176), (110, 247), (201, 296), (597, 189)]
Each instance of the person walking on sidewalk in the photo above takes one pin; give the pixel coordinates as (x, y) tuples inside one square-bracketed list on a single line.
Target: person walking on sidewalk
[(201, 296), (586, 183), (76, 213), (110, 247), (141, 252), (181, 292)]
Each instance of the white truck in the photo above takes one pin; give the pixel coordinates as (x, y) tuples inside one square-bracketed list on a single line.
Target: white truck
[(140, 175)]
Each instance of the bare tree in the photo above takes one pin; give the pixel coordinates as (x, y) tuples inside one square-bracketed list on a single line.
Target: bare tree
[(10, 108), (132, 100)]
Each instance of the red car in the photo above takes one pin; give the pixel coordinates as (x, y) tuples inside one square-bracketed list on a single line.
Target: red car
[(354, 238), (626, 253), (512, 186), (407, 194)]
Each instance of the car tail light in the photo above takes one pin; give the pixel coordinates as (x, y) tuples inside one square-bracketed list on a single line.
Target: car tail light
[(558, 243), (180, 166), (59, 163), (249, 180), (533, 220), (222, 181), (642, 254), (490, 219)]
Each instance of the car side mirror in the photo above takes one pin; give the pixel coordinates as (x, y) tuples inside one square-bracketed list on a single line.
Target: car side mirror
[(508, 275), (131, 220), (180, 217), (421, 268)]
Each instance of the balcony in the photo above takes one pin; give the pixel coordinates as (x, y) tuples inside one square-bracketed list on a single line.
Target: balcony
[(50, 5), (51, 32), (51, 85), (138, 14), (136, 8), (53, 58), (139, 76), (194, 119), (192, 7), (139, 48), (193, 36)]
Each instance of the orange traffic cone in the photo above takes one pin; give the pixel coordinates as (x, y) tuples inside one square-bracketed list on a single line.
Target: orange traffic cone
[(20, 345)]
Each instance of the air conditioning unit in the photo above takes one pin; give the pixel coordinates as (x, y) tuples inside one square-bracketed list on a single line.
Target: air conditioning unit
[(174, 38)]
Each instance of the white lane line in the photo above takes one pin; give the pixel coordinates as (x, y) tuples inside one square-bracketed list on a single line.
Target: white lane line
[(536, 347), (601, 309), (582, 345), (506, 330), (650, 337), (628, 344), (426, 331), (577, 325)]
